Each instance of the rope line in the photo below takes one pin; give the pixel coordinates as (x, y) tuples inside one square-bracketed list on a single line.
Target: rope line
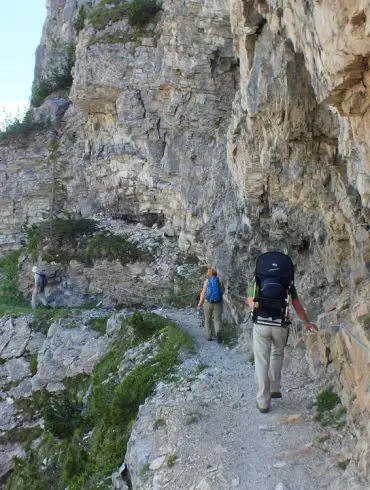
[(348, 332), (160, 300), (245, 320)]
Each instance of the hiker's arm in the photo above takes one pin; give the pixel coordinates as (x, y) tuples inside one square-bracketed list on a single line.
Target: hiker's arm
[(203, 294), (250, 302), (302, 315), (251, 295)]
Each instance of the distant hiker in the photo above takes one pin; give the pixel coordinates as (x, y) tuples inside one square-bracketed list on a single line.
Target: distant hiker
[(268, 297), (40, 281), (211, 297)]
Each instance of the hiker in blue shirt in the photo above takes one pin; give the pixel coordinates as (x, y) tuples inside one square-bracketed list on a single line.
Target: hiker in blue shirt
[(211, 300)]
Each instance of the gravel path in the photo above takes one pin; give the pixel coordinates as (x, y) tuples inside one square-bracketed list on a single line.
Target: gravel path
[(208, 421)]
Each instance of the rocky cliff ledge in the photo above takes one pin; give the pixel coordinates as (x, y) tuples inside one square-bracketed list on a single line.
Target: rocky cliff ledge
[(231, 127)]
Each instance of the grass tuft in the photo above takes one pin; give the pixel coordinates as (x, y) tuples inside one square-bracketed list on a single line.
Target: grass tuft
[(329, 410), (99, 324)]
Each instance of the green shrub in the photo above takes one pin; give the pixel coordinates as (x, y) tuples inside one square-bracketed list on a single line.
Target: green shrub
[(342, 465), (62, 415), (192, 418), (329, 410), (33, 364), (159, 423), (26, 474), (144, 470), (10, 273), (111, 247), (140, 12), (78, 238), (99, 324), (171, 460), (20, 434), (10, 296), (144, 325), (201, 366), (75, 462), (326, 400), (59, 79), (60, 234), (20, 127), (79, 23), (101, 15)]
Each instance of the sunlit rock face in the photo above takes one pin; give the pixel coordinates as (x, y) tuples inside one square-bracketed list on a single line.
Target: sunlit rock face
[(232, 128)]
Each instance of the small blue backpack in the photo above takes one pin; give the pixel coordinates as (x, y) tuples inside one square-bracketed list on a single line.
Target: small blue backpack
[(42, 280), (214, 290)]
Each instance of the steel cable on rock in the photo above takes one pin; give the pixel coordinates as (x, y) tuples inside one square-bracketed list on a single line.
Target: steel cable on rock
[(348, 332)]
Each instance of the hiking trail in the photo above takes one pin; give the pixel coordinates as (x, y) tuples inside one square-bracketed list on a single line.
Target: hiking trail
[(204, 432)]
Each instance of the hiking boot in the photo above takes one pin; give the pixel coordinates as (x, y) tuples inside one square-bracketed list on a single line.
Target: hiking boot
[(276, 394), (209, 338), (262, 410)]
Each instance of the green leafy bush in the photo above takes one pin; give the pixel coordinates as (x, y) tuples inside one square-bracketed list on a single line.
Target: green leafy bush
[(74, 463), (99, 324), (105, 245), (140, 12), (80, 20), (60, 234), (10, 296), (79, 239), (62, 415), (101, 15), (27, 474), (20, 127), (145, 325), (329, 409), (10, 274), (59, 79), (33, 364)]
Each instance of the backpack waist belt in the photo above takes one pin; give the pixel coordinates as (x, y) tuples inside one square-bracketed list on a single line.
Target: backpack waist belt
[(272, 322), (213, 302)]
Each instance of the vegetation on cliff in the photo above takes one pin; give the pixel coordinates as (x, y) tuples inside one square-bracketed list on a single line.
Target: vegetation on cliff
[(20, 127), (87, 427), (63, 240), (59, 77), (138, 12)]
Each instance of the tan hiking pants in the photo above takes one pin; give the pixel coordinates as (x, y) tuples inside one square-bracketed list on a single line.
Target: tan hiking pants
[(268, 347), (212, 310), (37, 294)]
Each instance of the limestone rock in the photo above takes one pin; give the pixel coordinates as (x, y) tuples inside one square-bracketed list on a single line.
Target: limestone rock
[(69, 351)]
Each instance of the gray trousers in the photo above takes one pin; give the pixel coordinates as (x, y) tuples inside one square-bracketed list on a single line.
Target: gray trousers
[(268, 347), (37, 294), (212, 311)]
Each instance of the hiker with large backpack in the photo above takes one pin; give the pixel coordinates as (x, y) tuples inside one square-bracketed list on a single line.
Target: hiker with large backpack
[(268, 298), (211, 300), (40, 281)]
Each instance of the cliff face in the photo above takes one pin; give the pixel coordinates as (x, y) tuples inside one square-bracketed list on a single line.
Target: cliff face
[(233, 127)]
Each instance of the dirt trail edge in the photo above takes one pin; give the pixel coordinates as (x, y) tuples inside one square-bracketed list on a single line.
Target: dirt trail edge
[(203, 431)]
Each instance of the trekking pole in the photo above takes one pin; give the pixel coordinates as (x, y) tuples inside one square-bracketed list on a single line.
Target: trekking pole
[(201, 318)]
